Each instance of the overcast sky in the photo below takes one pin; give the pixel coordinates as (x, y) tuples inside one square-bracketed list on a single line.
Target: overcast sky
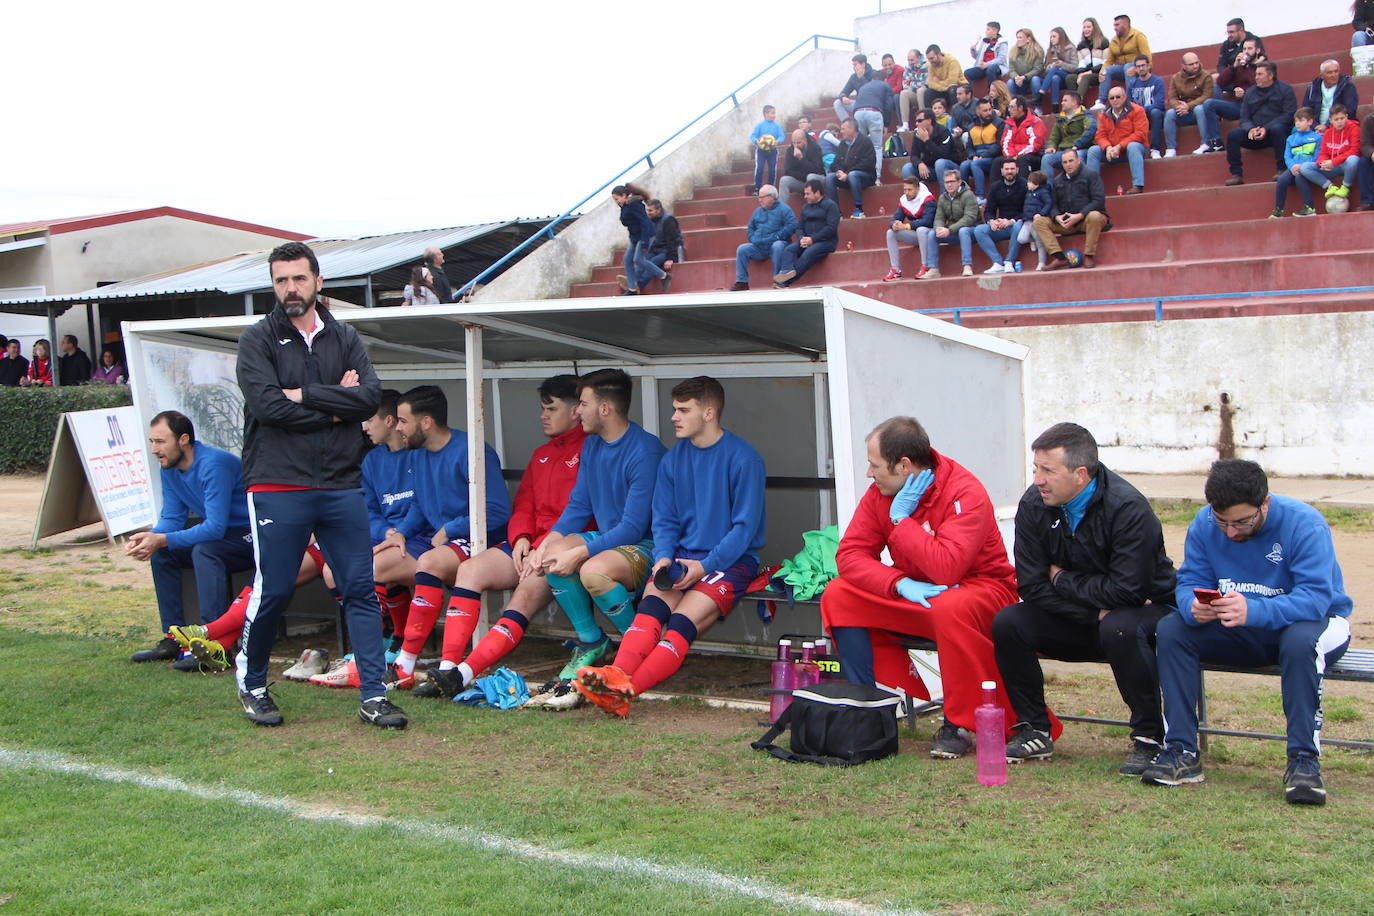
[(347, 118)]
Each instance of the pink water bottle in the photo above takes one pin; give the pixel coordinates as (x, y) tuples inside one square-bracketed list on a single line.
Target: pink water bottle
[(784, 677), (990, 735), (808, 672)]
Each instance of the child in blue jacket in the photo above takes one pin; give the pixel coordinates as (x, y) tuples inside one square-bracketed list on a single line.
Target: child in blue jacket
[(1039, 202), (1303, 146)]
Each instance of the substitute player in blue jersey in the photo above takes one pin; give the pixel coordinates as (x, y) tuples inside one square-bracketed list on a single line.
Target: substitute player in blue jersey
[(389, 487), (1259, 586), (708, 520), (440, 504), (607, 566)]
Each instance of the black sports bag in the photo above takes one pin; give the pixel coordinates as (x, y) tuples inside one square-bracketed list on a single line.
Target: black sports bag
[(836, 724)]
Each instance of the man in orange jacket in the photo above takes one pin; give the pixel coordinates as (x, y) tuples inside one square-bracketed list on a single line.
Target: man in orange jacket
[(1123, 132), (948, 579)]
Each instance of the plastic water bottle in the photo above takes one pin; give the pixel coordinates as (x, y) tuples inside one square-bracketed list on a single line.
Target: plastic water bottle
[(882, 211), (665, 577), (849, 246), (808, 672), (783, 677), (990, 731), (1120, 190), (1016, 266)]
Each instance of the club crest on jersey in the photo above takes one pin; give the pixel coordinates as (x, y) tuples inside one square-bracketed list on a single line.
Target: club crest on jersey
[(572, 462), (1275, 555)]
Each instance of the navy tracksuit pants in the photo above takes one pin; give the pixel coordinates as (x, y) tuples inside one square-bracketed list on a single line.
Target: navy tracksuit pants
[(282, 524), (213, 562), (1302, 651)]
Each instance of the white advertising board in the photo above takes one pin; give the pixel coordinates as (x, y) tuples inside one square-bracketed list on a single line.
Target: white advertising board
[(107, 448)]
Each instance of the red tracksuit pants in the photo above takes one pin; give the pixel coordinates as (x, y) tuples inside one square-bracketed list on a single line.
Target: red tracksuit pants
[(959, 620)]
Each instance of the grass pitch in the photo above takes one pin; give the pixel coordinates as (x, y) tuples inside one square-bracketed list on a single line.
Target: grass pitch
[(659, 813)]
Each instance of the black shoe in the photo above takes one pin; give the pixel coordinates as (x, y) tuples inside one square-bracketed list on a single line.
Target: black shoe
[(260, 710), (441, 683), (187, 662), (1173, 766), (1234, 180), (951, 742), (1028, 743), (1302, 782), (738, 287), (1138, 760), (166, 650), (382, 713)]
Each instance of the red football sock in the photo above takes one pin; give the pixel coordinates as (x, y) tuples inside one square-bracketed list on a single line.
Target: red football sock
[(225, 628), (496, 645), (662, 662), (424, 610), (398, 607), (460, 621), (638, 642)]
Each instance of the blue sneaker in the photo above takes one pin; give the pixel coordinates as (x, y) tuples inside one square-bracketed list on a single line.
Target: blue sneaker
[(1173, 766)]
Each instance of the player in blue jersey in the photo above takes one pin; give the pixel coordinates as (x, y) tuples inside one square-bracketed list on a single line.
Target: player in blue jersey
[(440, 504), (389, 488), (606, 567), (708, 527), (1259, 586)]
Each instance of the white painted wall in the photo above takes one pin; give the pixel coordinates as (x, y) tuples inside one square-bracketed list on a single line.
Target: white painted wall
[(1302, 387), (549, 272), (1168, 24)]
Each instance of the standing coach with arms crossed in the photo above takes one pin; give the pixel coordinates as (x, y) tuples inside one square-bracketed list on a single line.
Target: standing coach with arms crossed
[(307, 384)]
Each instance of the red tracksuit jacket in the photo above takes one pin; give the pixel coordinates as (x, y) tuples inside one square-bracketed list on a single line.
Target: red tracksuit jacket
[(952, 536), (1339, 147), (545, 487)]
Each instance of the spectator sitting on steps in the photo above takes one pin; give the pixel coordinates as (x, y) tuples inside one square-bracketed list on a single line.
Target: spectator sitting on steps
[(1331, 88), (1074, 128), (1122, 132), (844, 105), (956, 208), (1266, 117), (914, 211), (854, 165), (818, 233), (1189, 88), (1080, 205), (801, 163), (1301, 148), (769, 230)]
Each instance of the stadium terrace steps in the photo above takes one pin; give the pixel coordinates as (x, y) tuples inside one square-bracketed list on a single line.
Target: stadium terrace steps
[(1187, 235)]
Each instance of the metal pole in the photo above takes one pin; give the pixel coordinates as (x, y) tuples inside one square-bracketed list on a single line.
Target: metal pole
[(52, 347), (477, 454)]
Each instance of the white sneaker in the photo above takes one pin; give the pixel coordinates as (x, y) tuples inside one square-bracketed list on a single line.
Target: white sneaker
[(1170, 153), (1098, 106), (968, 270), (1205, 147), (562, 698), (905, 127), (311, 663), (998, 268), (1154, 154)]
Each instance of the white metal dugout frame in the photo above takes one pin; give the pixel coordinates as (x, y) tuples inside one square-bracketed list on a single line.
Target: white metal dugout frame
[(858, 362)]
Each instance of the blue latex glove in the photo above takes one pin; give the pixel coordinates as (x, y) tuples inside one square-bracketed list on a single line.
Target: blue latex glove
[(909, 496), (919, 592)]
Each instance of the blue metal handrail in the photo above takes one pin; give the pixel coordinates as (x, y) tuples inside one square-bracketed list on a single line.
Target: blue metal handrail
[(1157, 300), (647, 158)]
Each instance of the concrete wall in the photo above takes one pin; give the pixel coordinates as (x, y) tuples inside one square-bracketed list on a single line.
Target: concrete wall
[(126, 250), (1169, 24), (1299, 390), (549, 272)]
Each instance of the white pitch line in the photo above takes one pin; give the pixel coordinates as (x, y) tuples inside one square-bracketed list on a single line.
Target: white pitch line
[(692, 876)]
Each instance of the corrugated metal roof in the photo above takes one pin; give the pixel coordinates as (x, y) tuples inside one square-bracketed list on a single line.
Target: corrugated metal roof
[(340, 259)]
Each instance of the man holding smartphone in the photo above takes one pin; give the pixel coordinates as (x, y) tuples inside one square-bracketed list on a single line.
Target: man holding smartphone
[(1282, 602)]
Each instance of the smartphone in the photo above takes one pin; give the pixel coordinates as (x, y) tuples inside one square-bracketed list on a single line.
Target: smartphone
[(1206, 595)]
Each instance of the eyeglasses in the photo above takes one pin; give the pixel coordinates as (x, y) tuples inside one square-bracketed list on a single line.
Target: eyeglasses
[(1240, 524)]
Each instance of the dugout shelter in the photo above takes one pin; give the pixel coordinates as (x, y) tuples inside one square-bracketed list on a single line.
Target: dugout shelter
[(808, 373)]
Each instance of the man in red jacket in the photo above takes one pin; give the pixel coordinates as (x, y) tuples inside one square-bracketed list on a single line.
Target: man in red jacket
[(1123, 132), (949, 577), (543, 493)]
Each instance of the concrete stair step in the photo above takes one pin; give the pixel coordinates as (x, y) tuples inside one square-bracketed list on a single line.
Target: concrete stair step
[(1120, 274), (1289, 236)]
